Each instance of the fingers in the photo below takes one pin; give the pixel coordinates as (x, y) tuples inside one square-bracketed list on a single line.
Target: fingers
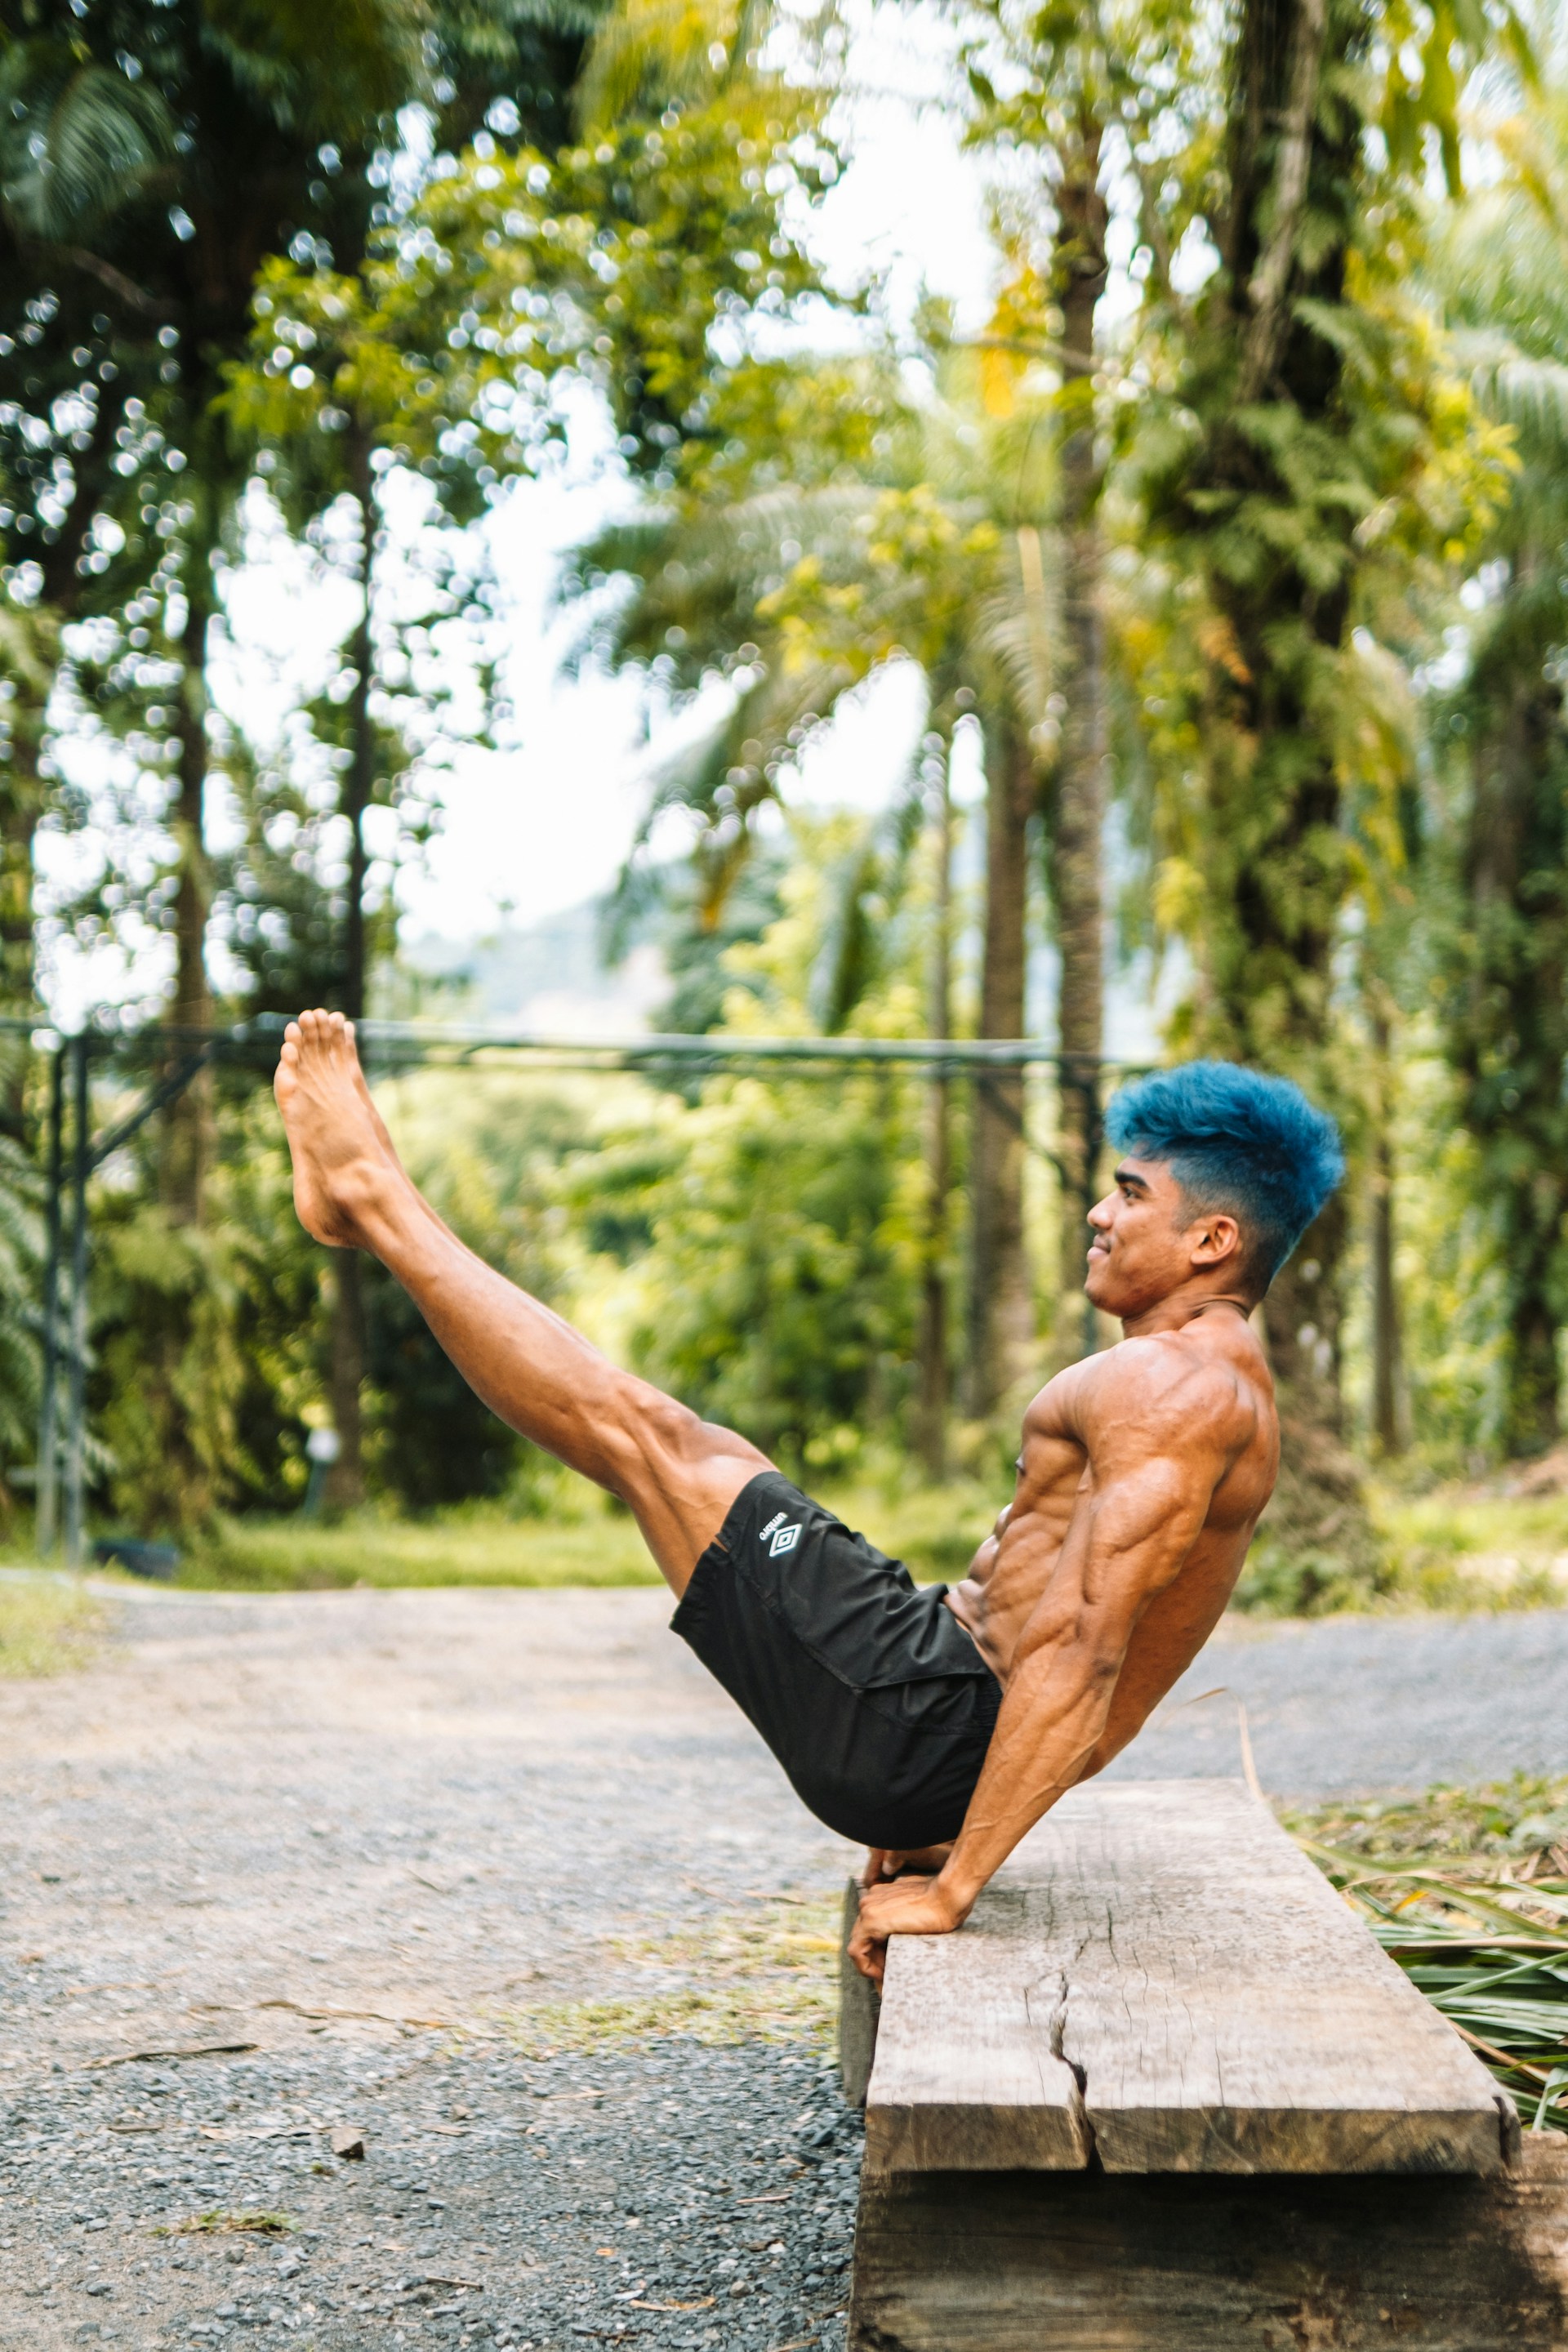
[(870, 1955)]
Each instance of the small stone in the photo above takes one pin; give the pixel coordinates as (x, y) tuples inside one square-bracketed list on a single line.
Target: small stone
[(99, 2287), (348, 2142)]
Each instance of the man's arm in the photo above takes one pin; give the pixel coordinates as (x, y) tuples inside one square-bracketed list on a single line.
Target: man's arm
[(1155, 1453)]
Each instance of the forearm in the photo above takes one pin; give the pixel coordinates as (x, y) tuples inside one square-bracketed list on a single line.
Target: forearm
[(1050, 1721)]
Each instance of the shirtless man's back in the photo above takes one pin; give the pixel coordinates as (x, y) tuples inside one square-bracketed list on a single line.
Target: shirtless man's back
[(936, 1726)]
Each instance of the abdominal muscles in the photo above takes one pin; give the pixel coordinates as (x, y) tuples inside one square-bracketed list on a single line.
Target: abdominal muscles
[(1008, 1577)]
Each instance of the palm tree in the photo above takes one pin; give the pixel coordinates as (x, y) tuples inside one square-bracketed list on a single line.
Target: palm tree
[(801, 589), (1503, 269)]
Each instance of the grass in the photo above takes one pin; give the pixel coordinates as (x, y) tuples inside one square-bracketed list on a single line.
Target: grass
[(769, 1974), (1451, 1550), (1467, 1890), (1458, 1549), (935, 1529), (49, 1624), (469, 1547), (220, 2223)]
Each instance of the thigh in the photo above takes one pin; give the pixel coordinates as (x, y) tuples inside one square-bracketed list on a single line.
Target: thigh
[(679, 1476)]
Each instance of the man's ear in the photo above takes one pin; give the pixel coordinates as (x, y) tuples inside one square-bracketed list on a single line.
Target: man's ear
[(1216, 1240)]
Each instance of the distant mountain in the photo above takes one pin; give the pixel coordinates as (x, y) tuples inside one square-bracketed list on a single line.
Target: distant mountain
[(547, 977)]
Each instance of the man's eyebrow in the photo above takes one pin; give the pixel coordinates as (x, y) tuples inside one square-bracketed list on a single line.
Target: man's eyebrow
[(1125, 1175)]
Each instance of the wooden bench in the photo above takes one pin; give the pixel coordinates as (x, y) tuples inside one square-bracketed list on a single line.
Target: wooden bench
[(1164, 2091)]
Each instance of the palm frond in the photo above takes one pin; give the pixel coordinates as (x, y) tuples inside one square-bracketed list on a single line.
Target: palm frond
[(722, 779), (77, 140), (1530, 394)]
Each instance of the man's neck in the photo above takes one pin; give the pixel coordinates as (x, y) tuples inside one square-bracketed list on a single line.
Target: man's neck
[(1181, 1308)]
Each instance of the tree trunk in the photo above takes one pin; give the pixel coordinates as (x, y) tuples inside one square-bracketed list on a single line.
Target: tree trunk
[(188, 1135), (1001, 1312), (1275, 866), (1387, 1375), (932, 1401), (359, 781), (343, 1488), (31, 658), (1508, 1021), (1077, 809)]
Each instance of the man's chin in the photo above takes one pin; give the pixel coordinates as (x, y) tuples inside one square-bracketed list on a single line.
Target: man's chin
[(1109, 1296), (1099, 1288)]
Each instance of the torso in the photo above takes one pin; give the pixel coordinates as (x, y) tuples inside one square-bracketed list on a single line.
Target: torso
[(1013, 1570)]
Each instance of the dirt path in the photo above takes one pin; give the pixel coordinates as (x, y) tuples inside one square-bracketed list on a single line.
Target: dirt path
[(414, 1802), (333, 1829), (1355, 1704)]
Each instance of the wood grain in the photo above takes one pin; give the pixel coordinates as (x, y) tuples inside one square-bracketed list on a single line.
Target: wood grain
[(1158, 1977), (1119, 2263)]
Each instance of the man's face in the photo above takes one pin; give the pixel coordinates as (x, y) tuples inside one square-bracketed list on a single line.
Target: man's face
[(1147, 1241)]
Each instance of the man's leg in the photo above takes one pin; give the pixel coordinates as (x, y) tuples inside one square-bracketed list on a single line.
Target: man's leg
[(677, 1475)]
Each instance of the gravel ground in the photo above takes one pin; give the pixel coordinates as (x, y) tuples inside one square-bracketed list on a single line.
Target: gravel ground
[(276, 1867), (673, 2196), (1356, 1703)]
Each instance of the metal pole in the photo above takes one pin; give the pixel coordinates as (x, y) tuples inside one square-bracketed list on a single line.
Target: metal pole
[(46, 1493), (76, 1436)]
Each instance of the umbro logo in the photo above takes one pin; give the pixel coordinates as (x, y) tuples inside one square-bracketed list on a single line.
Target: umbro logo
[(784, 1539)]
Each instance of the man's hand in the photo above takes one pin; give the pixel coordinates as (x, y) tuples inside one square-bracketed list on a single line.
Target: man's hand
[(890, 1862), (899, 1906)]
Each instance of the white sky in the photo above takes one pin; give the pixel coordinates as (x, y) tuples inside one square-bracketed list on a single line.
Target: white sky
[(547, 822)]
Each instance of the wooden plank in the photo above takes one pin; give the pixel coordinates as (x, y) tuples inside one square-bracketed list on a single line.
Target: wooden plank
[(1128, 2263), (1229, 2013), (859, 2001), (1189, 1994), (966, 2074)]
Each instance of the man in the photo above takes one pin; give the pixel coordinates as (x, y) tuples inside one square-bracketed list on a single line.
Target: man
[(936, 1726)]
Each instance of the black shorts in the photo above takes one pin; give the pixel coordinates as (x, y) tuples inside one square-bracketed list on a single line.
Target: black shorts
[(865, 1685)]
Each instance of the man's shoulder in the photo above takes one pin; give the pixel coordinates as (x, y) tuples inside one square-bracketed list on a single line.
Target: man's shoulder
[(1167, 1379)]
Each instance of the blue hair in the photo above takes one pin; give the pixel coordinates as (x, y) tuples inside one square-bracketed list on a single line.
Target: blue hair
[(1238, 1140)]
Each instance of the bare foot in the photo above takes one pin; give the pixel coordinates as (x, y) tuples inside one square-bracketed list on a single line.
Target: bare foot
[(342, 1153)]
